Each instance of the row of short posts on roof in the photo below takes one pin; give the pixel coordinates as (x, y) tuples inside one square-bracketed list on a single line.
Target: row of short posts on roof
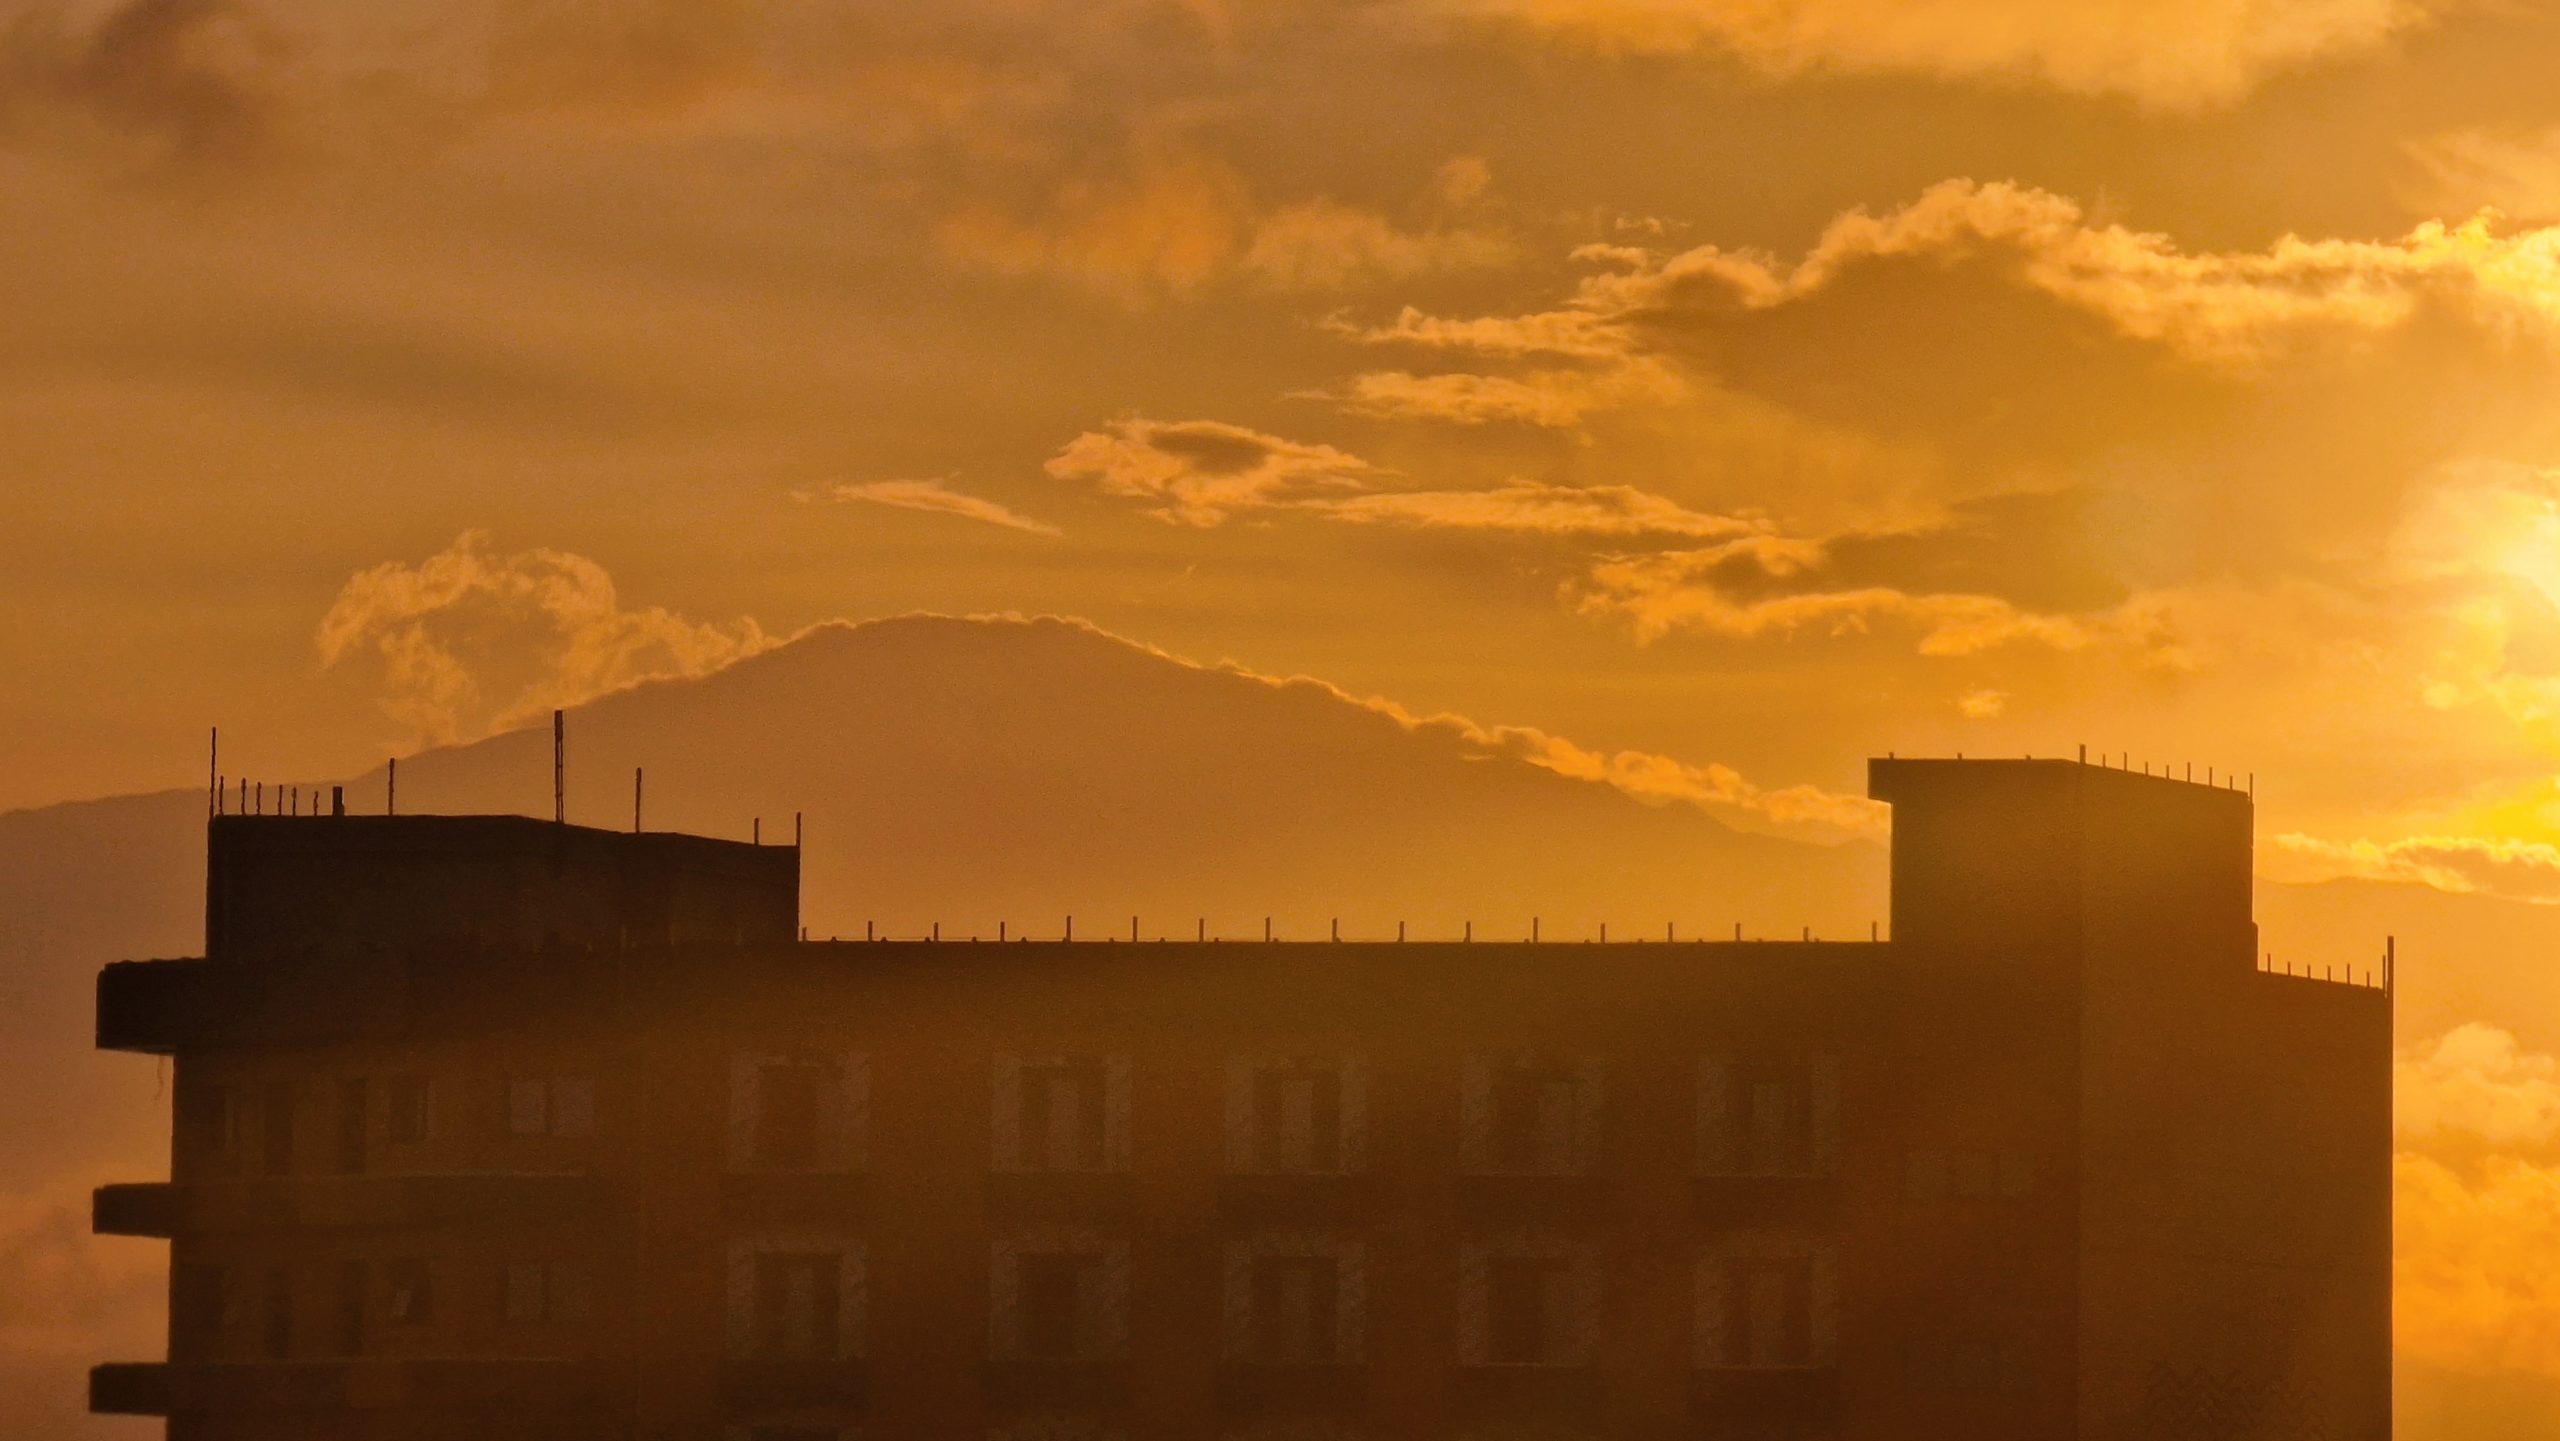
[(1200, 933)]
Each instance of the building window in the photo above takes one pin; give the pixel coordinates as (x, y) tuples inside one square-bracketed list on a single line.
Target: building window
[(409, 1110), (275, 1127), (1768, 1118), (797, 1112), (353, 1282), (1295, 1115), (1767, 1302), (551, 1291), (1059, 1296), (412, 1293), (354, 1106), (1295, 1298), (551, 1106), (1061, 1113), (207, 1118), (201, 1299), (1530, 1115), (279, 1313), (1528, 1301), (796, 1298)]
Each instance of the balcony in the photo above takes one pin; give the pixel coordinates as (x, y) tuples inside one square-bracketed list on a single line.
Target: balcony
[(1740, 1201), (1293, 1388), (1562, 1393), (1778, 1401), (758, 1385), (1503, 1198), (484, 1202), (1024, 1385), (763, 1200), (235, 1388), (1295, 1198), (1067, 1197), (159, 1006)]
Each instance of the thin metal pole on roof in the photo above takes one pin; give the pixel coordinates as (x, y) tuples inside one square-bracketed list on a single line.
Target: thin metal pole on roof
[(1533, 930), (213, 774), (635, 799), (560, 768), (391, 787)]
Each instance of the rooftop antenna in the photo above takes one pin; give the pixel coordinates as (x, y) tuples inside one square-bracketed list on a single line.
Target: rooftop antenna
[(560, 768), (635, 800), (391, 788), (213, 775)]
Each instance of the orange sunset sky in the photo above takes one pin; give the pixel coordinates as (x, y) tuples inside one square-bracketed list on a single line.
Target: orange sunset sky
[(1722, 390)]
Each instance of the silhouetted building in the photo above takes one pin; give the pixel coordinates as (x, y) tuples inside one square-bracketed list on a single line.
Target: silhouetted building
[(494, 1128)]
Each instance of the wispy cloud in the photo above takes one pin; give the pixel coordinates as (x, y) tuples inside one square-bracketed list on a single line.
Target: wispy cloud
[(930, 495), (2175, 57), (2465, 865)]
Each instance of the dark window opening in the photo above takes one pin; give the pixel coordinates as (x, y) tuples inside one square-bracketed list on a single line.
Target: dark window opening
[(798, 1305), (789, 1097), (1296, 1306), (1537, 1120), (1063, 1116), (1767, 1319), (275, 1124), (350, 1312), (407, 1119), (413, 1296), (279, 1317), (1297, 1119), (354, 1097)]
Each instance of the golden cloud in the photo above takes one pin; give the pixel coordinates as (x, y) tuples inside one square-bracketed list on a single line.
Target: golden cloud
[(1610, 343), (2179, 56), (1692, 590), (467, 640), (1198, 472), (2474, 1085), (1203, 471), (2476, 1264), (1175, 224)]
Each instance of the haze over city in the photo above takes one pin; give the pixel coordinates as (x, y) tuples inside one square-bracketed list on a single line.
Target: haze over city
[(1450, 462)]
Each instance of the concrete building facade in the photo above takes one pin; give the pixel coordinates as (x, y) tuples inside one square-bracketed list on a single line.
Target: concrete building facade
[(496, 1127)]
